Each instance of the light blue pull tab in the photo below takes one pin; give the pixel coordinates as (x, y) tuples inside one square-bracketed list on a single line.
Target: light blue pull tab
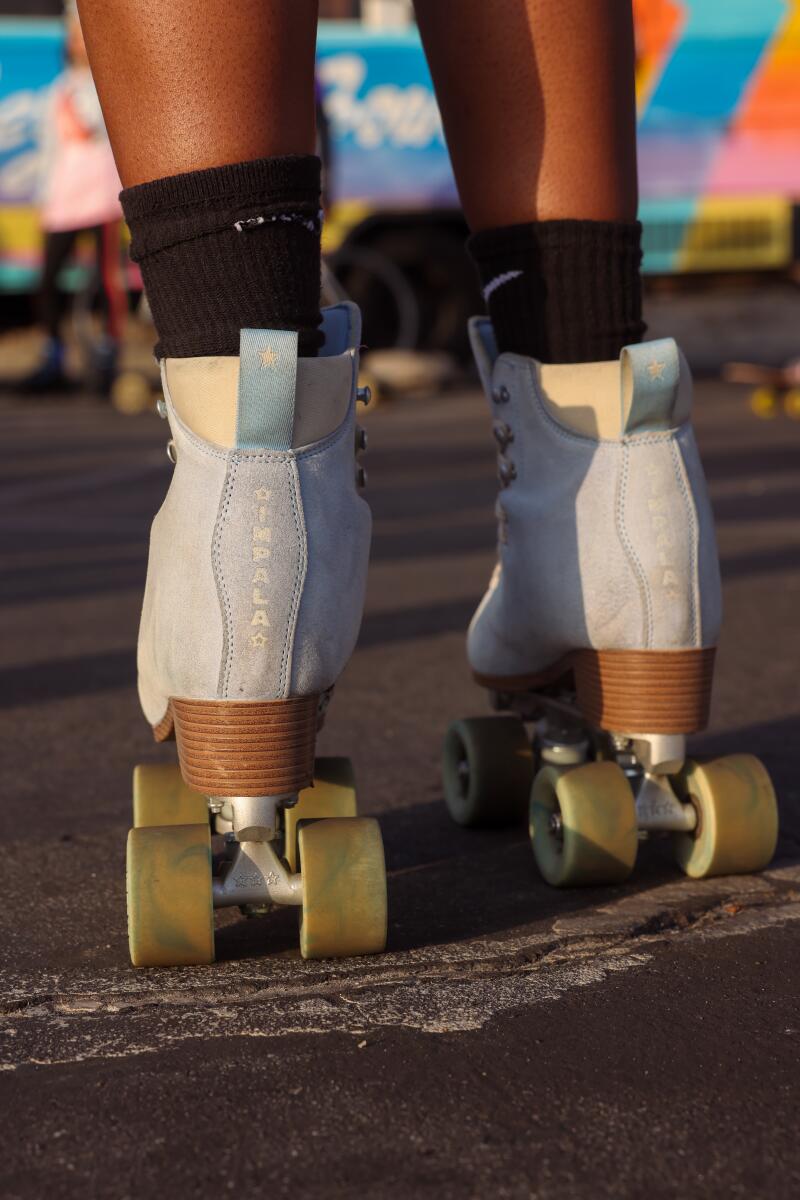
[(267, 381), (650, 376)]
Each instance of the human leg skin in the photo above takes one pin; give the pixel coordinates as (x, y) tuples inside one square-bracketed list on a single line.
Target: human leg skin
[(181, 94), (258, 555), (607, 585)]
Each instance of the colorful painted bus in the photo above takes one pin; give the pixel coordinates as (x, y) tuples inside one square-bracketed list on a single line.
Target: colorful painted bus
[(719, 103)]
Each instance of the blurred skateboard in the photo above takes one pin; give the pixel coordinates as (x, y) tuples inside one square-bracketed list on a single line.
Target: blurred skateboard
[(772, 388)]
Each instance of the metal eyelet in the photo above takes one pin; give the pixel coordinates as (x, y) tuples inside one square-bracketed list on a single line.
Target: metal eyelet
[(506, 471), (361, 438), (503, 434), (361, 477), (363, 395), (501, 395), (161, 408), (172, 453)]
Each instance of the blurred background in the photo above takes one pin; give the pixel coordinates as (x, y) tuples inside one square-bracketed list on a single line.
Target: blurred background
[(719, 102)]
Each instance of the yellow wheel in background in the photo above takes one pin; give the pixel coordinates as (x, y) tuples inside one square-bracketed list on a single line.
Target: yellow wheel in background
[(333, 795), (764, 402), (344, 888), (170, 899), (737, 817), (583, 824), (791, 403), (160, 797), (131, 393)]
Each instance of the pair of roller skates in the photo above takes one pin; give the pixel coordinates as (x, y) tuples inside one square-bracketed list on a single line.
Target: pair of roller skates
[(598, 626)]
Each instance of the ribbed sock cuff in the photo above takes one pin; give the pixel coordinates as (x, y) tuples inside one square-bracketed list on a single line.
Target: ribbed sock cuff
[(562, 291), (227, 248)]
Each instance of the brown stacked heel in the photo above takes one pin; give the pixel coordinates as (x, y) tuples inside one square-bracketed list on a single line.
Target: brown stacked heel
[(629, 691), (244, 748), (645, 691)]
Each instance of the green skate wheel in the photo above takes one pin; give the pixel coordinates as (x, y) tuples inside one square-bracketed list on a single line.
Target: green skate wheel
[(487, 768), (737, 817), (160, 797), (344, 888), (333, 795), (583, 825), (170, 899)]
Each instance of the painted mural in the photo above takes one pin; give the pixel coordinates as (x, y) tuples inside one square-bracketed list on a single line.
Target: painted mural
[(718, 85)]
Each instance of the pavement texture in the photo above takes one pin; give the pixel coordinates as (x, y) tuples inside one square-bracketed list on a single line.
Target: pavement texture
[(514, 1041)]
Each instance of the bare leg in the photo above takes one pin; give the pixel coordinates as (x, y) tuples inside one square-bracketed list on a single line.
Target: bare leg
[(538, 103), (184, 87)]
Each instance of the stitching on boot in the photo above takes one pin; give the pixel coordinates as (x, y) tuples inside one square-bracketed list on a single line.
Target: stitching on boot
[(300, 574), (681, 475), (633, 558), (222, 591)]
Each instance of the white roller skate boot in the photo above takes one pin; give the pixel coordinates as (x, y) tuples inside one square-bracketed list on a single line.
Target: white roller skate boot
[(255, 590), (599, 627)]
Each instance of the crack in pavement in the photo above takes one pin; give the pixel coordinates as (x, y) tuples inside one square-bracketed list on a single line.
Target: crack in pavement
[(434, 989)]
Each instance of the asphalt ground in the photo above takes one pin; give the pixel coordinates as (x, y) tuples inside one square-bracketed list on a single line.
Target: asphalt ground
[(514, 1041)]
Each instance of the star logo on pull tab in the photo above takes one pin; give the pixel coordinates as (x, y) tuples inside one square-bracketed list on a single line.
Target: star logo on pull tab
[(656, 369), (268, 357)]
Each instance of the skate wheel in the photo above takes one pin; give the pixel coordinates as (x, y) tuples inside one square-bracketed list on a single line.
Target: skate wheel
[(583, 824), (160, 797), (487, 768), (333, 795), (737, 817), (764, 402), (344, 888), (170, 900)]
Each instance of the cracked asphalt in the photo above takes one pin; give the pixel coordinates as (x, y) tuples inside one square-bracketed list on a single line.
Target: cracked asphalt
[(514, 1041)]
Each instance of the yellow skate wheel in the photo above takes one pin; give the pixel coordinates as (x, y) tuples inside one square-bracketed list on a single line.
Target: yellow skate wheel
[(764, 402), (737, 817), (487, 768), (170, 901), (333, 795), (160, 797), (344, 888), (583, 824)]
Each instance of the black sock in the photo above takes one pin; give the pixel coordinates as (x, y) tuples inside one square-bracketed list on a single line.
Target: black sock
[(229, 248), (562, 291)]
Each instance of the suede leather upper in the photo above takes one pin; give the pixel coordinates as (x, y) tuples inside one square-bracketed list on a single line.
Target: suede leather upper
[(257, 568), (604, 543)]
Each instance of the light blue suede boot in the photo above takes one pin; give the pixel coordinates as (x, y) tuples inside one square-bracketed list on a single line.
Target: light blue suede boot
[(254, 597), (600, 625)]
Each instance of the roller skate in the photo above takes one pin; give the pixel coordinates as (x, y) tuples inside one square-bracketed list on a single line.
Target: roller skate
[(253, 603), (598, 630)]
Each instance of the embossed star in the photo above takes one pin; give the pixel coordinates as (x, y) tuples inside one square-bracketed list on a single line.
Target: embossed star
[(656, 369), (262, 493), (258, 639), (268, 357)]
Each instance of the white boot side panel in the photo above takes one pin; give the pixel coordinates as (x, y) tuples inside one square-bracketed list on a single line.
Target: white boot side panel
[(338, 529), (708, 578), (181, 633)]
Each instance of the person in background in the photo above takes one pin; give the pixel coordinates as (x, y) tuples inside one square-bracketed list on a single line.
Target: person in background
[(78, 194)]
